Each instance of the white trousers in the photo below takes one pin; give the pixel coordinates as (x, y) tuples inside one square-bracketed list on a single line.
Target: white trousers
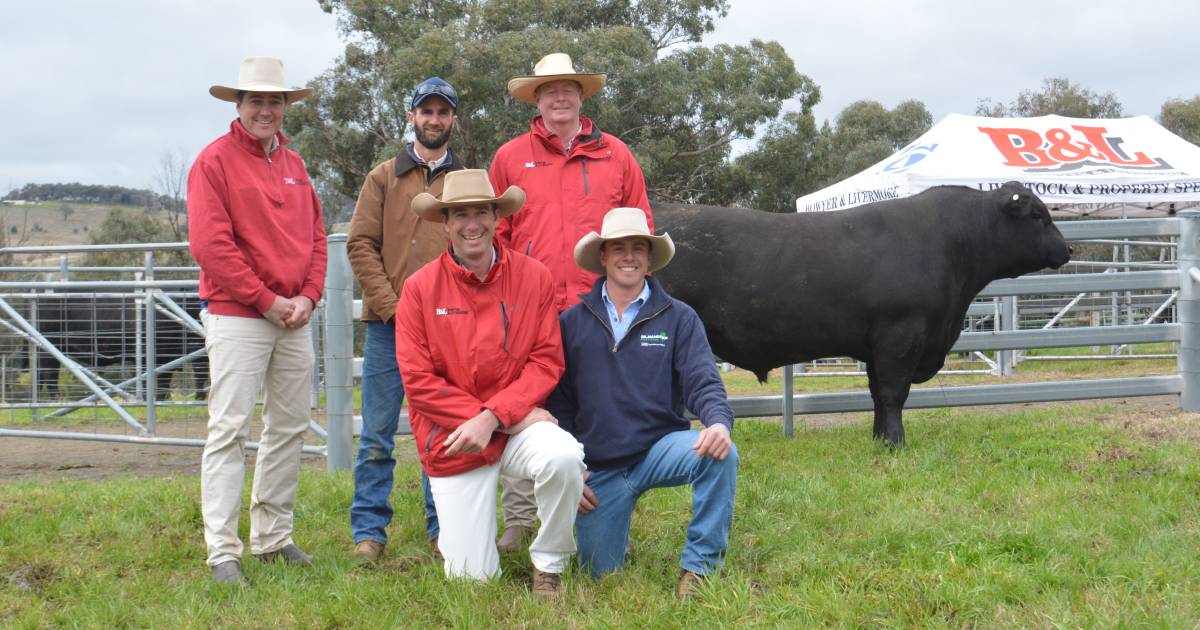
[(466, 503), (244, 355)]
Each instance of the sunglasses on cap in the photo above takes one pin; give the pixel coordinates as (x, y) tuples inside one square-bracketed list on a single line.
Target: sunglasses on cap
[(434, 88)]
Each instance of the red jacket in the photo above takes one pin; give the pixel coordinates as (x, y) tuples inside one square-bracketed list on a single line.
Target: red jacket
[(464, 346), (566, 196), (254, 225)]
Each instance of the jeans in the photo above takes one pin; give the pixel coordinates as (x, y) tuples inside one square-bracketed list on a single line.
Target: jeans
[(382, 395), (603, 533)]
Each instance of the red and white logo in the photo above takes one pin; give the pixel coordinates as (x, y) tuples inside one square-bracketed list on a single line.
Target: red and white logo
[(1061, 150)]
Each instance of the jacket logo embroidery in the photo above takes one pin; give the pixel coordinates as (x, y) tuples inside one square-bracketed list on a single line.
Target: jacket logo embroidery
[(658, 339), (292, 181), (451, 310), (536, 164)]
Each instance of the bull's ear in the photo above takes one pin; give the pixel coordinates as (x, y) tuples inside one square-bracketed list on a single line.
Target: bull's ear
[(1014, 199)]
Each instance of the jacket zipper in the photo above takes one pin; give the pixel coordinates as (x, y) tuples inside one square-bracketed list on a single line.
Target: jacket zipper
[(429, 442), (612, 334), (529, 248), (583, 163), (504, 324)]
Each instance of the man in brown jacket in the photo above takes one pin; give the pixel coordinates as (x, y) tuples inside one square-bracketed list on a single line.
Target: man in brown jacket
[(388, 242)]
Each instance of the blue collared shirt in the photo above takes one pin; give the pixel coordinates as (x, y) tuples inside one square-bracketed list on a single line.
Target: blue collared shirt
[(620, 325)]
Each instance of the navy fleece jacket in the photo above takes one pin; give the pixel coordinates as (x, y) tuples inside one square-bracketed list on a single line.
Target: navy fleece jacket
[(618, 401)]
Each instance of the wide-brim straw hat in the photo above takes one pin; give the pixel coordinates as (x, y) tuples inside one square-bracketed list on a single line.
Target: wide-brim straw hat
[(260, 74), (621, 223), (468, 187), (555, 67)]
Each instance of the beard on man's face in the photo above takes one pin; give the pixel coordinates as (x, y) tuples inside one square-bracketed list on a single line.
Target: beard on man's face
[(432, 141)]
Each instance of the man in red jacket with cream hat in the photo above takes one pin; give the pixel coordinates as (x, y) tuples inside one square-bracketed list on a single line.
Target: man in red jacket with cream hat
[(255, 227), (479, 349), (572, 174)]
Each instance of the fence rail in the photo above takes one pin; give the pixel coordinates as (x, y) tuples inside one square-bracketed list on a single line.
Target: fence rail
[(339, 310)]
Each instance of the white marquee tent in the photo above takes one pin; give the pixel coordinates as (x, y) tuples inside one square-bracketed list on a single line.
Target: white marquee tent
[(1111, 167)]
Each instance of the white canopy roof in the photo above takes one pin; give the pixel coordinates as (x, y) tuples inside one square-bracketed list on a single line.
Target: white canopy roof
[(1084, 163)]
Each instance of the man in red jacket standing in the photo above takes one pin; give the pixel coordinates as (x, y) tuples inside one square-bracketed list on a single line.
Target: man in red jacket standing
[(256, 232), (572, 174), (478, 343)]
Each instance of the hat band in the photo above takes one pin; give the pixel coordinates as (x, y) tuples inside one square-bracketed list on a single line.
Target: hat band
[(470, 198)]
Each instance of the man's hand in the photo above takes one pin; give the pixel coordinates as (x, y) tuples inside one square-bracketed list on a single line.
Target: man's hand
[(281, 309), (713, 442), (588, 501), (302, 311), (537, 414), (473, 435)]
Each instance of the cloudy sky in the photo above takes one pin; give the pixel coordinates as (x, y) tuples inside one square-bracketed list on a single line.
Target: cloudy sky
[(96, 92)]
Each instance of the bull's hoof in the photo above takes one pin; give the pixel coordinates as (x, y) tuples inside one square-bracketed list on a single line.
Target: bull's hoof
[(890, 441)]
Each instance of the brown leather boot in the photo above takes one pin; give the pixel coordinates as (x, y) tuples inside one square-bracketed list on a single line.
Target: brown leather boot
[(689, 584), (546, 585), (369, 551)]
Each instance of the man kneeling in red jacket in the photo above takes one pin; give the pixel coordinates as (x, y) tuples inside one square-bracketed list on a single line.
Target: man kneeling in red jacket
[(479, 349)]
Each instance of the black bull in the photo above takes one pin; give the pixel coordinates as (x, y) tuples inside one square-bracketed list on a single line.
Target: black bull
[(97, 331), (887, 284)]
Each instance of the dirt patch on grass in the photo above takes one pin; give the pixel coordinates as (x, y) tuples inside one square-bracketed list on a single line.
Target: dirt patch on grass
[(1154, 418), (33, 577), (1157, 419), (30, 459)]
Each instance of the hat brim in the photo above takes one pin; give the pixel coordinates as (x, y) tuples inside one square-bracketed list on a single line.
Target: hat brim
[(587, 250), (226, 93), (430, 208), (523, 88)]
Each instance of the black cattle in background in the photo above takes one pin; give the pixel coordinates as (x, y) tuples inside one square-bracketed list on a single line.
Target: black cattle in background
[(887, 283), (98, 332)]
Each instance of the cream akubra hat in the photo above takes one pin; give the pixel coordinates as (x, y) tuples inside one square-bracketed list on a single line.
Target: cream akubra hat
[(260, 74), (554, 67)]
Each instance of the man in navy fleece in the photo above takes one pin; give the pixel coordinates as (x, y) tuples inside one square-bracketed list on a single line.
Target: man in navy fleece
[(635, 358)]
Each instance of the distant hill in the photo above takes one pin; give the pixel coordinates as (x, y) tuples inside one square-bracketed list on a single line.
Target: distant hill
[(54, 222), (113, 195)]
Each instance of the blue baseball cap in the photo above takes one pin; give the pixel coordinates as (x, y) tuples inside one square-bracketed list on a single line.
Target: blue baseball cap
[(434, 86)]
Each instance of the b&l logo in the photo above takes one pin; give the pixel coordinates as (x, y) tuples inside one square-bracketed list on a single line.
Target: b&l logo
[(449, 310), (1067, 150)]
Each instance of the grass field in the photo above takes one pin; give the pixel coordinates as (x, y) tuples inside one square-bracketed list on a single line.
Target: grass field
[(53, 222), (1036, 517)]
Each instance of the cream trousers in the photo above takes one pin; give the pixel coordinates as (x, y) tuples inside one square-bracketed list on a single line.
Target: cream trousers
[(244, 355), (466, 503)]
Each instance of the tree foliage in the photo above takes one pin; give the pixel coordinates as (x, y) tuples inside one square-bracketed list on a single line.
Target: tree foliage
[(795, 157), (126, 225), (679, 105), (1182, 117), (74, 191), (1058, 96), (866, 133)]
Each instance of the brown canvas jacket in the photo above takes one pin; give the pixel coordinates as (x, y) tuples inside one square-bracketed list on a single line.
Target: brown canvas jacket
[(388, 242)]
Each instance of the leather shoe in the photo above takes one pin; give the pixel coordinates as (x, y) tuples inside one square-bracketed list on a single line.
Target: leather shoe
[(514, 537), (369, 551), (689, 584), (546, 585), (229, 572), (291, 554)]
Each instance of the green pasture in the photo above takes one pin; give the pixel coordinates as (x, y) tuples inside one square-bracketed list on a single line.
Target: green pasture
[(1032, 517)]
